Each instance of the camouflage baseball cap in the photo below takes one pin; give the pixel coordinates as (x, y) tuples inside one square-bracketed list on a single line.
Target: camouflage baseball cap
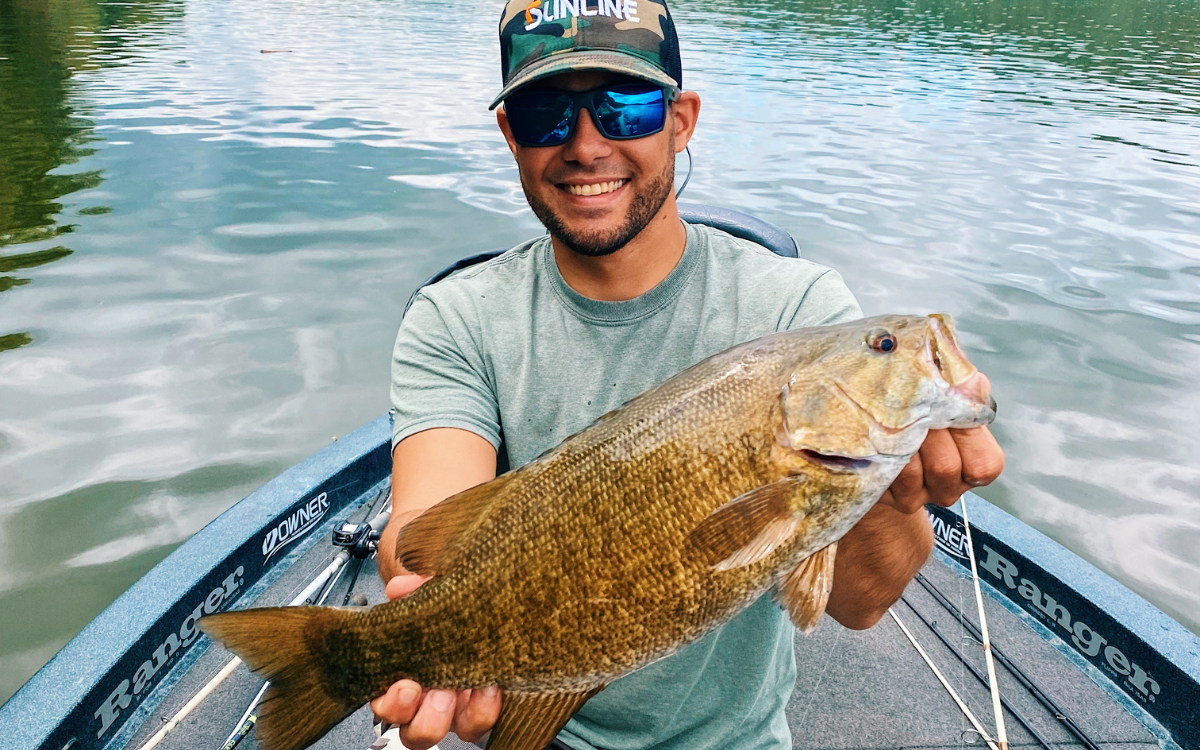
[(540, 38)]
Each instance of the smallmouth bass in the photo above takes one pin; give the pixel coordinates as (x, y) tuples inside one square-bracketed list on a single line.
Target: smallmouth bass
[(634, 537)]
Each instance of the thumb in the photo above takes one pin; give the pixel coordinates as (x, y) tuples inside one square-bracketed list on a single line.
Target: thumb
[(401, 586)]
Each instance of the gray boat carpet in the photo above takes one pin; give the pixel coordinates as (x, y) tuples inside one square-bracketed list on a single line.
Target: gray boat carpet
[(855, 689)]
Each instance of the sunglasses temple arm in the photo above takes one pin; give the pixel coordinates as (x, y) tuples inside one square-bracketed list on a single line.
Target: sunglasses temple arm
[(688, 178)]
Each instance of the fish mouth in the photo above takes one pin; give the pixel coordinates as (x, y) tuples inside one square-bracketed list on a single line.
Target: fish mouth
[(834, 462)]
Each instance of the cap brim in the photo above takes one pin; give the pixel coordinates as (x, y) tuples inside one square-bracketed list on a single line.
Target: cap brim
[(617, 62)]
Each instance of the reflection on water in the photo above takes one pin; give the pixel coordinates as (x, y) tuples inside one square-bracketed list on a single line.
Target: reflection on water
[(236, 279), (39, 46)]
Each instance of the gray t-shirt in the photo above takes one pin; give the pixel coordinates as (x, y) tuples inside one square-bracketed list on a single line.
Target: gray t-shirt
[(507, 349)]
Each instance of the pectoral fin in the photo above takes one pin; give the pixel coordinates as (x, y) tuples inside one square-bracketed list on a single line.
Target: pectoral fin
[(805, 590), (750, 527), (528, 721)]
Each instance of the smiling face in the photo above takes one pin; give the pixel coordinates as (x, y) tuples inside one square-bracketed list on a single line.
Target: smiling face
[(595, 195)]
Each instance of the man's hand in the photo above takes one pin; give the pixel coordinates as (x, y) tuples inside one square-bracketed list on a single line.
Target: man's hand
[(885, 549), (425, 716), (949, 463)]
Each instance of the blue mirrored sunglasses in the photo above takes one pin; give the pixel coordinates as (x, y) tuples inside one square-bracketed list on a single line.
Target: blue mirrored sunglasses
[(547, 117)]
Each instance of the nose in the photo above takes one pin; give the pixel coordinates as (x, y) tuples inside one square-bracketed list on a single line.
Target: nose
[(587, 143)]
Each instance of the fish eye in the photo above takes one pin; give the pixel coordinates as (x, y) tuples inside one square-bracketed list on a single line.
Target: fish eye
[(881, 341)]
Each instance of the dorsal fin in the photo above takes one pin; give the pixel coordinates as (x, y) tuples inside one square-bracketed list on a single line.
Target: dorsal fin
[(423, 543), (528, 721)]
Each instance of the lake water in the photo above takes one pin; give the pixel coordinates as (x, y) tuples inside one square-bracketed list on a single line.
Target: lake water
[(212, 213)]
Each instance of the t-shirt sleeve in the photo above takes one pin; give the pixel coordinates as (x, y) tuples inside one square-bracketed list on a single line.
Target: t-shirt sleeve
[(828, 301), (439, 378)]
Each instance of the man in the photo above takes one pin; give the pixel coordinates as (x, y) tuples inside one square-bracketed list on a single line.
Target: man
[(518, 353)]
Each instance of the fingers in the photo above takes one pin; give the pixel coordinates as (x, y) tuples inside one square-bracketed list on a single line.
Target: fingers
[(949, 463), (907, 493), (402, 586), (432, 721), (982, 458), (478, 714), (462, 701), (425, 719), (943, 469), (399, 704)]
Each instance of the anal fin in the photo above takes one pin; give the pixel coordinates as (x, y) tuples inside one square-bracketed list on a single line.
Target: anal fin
[(750, 527), (528, 721), (804, 590)]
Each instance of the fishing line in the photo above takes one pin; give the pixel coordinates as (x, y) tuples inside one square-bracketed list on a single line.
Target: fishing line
[(1001, 732), (812, 695), (945, 683)]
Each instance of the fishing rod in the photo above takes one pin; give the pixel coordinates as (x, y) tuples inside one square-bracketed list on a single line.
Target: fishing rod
[(1013, 669), (978, 675), (359, 541), (993, 685), (309, 591)]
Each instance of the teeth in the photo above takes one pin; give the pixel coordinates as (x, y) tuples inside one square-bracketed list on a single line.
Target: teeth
[(599, 188)]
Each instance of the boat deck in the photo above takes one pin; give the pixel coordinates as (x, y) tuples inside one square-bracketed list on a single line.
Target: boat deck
[(856, 689), (871, 689)]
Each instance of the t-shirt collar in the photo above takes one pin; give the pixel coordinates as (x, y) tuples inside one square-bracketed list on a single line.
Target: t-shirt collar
[(626, 311)]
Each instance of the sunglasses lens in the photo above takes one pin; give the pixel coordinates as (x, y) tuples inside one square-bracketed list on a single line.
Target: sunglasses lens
[(539, 118), (630, 111)]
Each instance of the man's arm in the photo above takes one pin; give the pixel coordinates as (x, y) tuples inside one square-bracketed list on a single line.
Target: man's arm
[(881, 554), (429, 467)]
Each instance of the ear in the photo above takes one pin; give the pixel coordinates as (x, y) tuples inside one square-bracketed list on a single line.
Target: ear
[(502, 121), (685, 111)]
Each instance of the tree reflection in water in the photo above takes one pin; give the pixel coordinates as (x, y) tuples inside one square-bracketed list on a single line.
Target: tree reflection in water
[(41, 46)]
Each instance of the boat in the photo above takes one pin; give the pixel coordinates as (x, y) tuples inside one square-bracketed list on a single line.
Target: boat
[(1083, 660)]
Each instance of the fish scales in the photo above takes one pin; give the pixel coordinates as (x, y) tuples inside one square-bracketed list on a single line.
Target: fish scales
[(639, 534), (588, 585)]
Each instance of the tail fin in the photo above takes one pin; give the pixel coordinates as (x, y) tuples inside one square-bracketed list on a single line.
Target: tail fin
[(282, 644)]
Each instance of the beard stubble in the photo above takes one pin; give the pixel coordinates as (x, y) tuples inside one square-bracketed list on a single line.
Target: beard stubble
[(644, 206)]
